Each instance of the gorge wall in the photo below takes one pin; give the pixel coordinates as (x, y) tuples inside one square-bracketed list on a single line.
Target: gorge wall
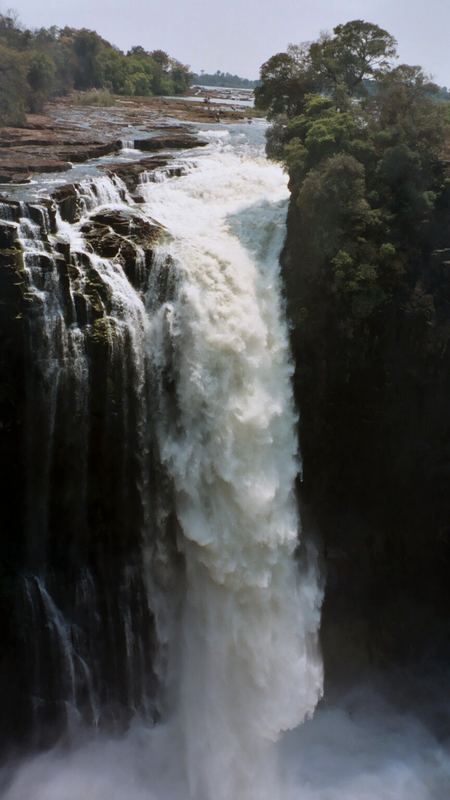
[(91, 569), (375, 440), (78, 463), (153, 568)]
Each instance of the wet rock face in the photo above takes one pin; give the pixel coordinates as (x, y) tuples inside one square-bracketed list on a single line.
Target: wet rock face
[(13, 371), (78, 470), (127, 222), (66, 198), (130, 173), (125, 236), (170, 142)]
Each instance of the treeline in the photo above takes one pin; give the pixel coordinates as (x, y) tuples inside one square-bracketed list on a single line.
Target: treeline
[(367, 271), (40, 64), (223, 79)]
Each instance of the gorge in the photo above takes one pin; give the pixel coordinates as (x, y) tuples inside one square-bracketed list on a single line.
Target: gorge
[(156, 571), (160, 605)]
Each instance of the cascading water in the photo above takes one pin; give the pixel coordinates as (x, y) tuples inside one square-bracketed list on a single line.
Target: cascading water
[(161, 582), (248, 663), (84, 620), (198, 357)]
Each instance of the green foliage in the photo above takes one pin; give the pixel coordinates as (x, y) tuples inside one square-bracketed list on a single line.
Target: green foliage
[(13, 86), (337, 65), (223, 79), (356, 51), (41, 77), (367, 271), (96, 97), (87, 47), (285, 80), (444, 111), (334, 209), (36, 65)]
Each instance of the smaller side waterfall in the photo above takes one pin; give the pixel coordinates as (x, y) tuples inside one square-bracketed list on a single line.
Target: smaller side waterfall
[(94, 516)]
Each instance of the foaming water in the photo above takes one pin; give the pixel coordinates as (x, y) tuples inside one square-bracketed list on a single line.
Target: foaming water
[(248, 665), (361, 749)]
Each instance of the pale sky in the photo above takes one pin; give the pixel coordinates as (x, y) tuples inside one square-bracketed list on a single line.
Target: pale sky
[(238, 35)]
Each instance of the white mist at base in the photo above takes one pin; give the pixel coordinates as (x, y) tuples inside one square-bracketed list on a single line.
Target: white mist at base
[(358, 750)]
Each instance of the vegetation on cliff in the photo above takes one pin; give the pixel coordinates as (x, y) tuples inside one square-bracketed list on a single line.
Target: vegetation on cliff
[(367, 270), (37, 65), (223, 79)]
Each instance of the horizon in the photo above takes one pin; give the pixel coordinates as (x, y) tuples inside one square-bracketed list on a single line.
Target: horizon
[(204, 36)]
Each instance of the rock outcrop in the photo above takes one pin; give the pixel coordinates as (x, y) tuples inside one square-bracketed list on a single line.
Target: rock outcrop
[(125, 236), (78, 467), (26, 151), (170, 141)]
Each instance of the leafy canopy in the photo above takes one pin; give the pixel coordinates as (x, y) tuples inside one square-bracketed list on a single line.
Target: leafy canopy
[(36, 65), (337, 65)]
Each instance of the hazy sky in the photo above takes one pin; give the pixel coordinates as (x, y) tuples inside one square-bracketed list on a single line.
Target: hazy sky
[(238, 35)]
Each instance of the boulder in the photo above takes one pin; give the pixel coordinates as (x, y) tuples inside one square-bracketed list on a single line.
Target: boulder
[(130, 172), (66, 199), (124, 235), (170, 141)]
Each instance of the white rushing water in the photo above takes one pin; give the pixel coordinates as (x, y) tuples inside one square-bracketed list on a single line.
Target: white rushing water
[(248, 665), (244, 666)]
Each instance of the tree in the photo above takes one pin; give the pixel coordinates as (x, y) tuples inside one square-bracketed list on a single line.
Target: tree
[(48, 62), (88, 46), (285, 80), (181, 77), (161, 58), (137, 51), (40, 76), (11, 32), (336, 65), (13, 87), (358, 50)]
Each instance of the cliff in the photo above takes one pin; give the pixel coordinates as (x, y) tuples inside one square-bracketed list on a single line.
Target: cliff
[(375, 442), (78, 462)]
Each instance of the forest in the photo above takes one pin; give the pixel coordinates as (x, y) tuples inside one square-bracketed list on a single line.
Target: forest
[(365, 141), (223, 79), (38, 65)]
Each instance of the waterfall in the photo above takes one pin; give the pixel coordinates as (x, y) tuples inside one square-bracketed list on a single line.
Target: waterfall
[(248, 663), (85, 618), (163, 574)]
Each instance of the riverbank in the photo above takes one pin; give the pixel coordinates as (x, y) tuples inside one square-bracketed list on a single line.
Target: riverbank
[(71, 133)]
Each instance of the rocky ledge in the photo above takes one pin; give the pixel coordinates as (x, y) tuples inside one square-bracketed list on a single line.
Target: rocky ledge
[(42, 146), (125, 236), (171, 141), (69, 135)]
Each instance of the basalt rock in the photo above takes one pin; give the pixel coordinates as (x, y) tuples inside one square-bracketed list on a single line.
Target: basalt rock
[(18, 168), (66, 198), (170, 142), (19, 160), (125, 236), (77, 471), (131, 172)]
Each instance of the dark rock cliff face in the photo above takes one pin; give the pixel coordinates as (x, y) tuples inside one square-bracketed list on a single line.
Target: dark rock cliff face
[(375, 441), (78, 467)]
